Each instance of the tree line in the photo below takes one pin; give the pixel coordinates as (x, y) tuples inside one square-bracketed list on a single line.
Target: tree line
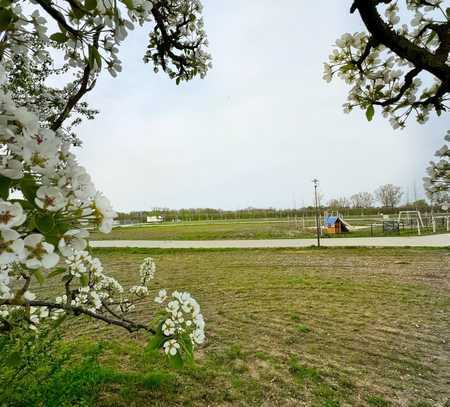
[(385, 199)]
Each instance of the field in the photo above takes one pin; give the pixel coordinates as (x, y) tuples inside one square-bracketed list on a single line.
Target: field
[(218, 230), (330, 327)]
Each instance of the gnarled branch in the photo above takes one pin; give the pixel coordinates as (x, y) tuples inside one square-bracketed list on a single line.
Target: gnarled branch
[(57, 16), (82, 90), (418, 56), (130, 326)]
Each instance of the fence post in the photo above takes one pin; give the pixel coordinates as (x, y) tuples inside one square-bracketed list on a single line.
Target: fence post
[(433, 222), (418, 227)]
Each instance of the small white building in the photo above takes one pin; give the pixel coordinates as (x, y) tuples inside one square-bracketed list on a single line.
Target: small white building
[(155, 219)]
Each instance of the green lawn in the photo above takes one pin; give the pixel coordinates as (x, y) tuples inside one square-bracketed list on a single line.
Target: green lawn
[(329, 327), (207, 231), (229, 230)]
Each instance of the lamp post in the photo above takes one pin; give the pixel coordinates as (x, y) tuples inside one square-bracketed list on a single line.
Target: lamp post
[(316, 183)]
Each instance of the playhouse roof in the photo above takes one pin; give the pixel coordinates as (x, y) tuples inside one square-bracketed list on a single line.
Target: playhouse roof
[(331, 220)]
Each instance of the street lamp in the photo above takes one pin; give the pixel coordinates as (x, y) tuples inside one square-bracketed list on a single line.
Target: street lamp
[(316, 183)]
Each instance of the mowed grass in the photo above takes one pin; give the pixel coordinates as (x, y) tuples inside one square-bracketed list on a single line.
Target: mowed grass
[(233, 231), (208, 231), (330, 327)]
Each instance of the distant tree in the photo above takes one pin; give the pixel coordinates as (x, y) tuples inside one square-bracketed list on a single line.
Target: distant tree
[(344, 203), (333, 203), (389, 195), (362, 200), (340, 203), (420, 205)]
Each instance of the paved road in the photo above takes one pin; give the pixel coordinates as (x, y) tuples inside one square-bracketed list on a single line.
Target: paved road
[(424, 241)]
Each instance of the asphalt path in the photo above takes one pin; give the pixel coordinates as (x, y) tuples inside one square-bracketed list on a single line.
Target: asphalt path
[(442, 240)]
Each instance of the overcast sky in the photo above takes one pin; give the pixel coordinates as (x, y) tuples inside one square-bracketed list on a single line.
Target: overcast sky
[(259, 127)]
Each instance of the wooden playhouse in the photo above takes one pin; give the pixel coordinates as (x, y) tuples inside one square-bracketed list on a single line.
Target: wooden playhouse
[(335, 224)]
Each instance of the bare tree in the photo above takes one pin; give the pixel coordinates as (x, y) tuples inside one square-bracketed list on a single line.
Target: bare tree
[(340, 203), (389, 195), (362, 200), (333, 203)]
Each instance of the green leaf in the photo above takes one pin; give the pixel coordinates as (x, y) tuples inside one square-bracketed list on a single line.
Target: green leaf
[(90, 4), (128, 3), (176, 361), (157, 340), (94, 56), (53, 239), (59, 321), (39, 276), (61, 227), (24, 204), (187, 348), (45, 224), (29, 187), (347, 67), (78, 12), (5, 3), (5, 185), (7, 18), (62, 28), (84, 280), (370, 113), (56, 272), (431, 37), (59, 37)]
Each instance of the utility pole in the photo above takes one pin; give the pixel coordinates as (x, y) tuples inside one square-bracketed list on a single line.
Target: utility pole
[(316, 183)]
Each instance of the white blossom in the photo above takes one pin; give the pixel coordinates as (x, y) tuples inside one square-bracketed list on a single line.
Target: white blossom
[(72, 241), (50, 199), (161, 297), (171, 347), (11, 246), (5, 290), (104, 212), (11, 168), (184, 317), (39, 253), (11, 215)]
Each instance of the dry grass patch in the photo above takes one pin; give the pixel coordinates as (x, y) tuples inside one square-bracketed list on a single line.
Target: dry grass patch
[(335, 327)]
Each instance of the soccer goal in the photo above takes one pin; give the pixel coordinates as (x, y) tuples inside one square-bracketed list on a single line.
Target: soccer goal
[(410, 216)]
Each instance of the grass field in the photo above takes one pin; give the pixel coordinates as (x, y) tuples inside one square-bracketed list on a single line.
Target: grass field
[(207, 231), (227, 230), (304, 327)]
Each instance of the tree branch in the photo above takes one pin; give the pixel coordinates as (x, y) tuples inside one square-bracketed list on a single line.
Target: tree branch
[(130, 326), (436, 99), (371, 43), (57, 16), (83, 89), (409, 77), (419, 57)]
